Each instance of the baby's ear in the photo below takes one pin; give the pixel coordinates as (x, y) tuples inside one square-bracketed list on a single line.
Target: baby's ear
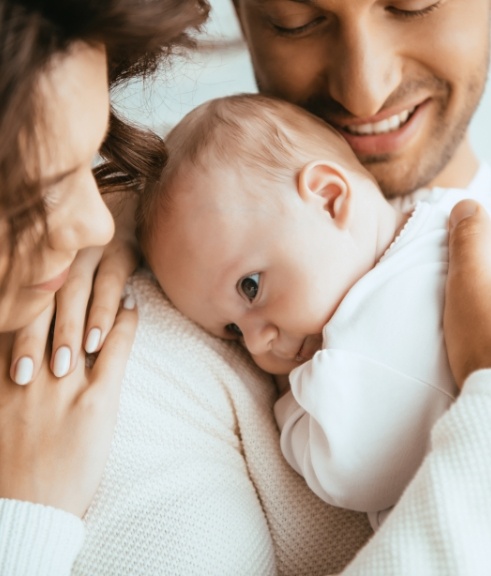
[(326, 185)]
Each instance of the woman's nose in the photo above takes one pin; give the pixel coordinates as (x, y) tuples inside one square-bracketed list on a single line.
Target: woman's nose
[(86, 221)]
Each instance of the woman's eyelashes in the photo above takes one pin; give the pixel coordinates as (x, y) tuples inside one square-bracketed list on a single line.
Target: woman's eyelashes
[(249, 286)]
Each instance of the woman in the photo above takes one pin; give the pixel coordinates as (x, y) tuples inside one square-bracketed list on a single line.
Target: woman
[(194, 482)]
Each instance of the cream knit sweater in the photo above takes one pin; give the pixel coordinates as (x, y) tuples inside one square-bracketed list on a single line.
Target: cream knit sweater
[(195, 483)]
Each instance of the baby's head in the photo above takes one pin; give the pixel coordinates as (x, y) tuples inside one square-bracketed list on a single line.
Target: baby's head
[(261, 222)]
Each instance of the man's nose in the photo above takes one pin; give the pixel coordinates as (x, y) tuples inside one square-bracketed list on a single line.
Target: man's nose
[(364, 66)]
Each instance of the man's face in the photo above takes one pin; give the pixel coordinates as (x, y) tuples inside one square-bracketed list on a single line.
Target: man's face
[(400, 79)]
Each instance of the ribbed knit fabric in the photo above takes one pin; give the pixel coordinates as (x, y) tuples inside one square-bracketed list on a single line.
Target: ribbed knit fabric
[(195, 482), (37, 540)]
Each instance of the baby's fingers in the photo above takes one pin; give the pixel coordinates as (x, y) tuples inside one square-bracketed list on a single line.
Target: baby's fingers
[(29, 347)]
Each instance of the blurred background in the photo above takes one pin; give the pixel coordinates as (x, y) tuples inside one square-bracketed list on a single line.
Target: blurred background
[(220, 67)]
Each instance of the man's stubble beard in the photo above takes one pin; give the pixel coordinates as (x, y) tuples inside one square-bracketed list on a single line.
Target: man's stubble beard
[(401, 176)]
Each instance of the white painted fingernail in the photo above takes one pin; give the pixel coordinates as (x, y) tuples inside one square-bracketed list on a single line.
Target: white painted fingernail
[(93, 340), (129, 302), (24, 371), (61, 364)]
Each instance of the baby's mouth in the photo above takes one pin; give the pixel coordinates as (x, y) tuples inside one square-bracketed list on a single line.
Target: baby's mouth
[(309, 347)]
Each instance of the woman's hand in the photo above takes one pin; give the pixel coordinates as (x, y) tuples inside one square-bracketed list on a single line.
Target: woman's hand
[(85, 306), (467, 315), (55, 434)]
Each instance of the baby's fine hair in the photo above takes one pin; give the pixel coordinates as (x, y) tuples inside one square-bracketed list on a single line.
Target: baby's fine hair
[(248, 132)]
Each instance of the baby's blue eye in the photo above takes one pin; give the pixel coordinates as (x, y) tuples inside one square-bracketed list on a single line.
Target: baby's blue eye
[(234, 330), (249, 286)]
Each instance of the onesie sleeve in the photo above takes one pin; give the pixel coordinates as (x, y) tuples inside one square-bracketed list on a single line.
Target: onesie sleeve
[(442, 523), (356, 429), (37, 540)]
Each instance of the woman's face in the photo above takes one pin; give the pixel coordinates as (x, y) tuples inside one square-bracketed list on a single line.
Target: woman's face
[(75, 110)]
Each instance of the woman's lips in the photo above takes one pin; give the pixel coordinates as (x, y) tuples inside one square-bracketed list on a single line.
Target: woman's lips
[(54, 284)]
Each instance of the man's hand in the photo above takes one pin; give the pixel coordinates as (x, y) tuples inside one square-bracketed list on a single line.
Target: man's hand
[(467, 314)]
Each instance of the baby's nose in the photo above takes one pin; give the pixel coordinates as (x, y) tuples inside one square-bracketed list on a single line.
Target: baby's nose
[(259, 338)]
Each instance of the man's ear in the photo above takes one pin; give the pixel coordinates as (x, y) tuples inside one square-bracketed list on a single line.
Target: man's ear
[(326, 184)]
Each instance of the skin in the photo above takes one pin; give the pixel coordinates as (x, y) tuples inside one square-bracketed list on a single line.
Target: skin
[(359, 62), (467, 316), (269, 274), (77, 217), (55, 434)]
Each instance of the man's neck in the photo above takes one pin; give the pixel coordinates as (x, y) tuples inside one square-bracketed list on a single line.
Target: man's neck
[(461, 169)]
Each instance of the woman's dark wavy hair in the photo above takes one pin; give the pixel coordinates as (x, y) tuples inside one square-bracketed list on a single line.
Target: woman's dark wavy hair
[(138, 36)]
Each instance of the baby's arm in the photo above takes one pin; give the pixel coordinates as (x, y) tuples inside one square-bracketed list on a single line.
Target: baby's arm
[(357, 430)]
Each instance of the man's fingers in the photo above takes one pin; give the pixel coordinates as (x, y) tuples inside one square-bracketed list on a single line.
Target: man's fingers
[(467, 315), (29, 348)]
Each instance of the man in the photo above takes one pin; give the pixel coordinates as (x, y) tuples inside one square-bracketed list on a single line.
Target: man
[(399, 79)]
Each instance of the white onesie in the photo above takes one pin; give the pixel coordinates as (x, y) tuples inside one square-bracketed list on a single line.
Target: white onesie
[(357, 421)]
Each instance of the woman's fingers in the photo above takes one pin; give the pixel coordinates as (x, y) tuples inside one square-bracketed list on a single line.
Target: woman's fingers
[(108, 369), (29, 347), (71, 310), (117, 264), (467, 315), (55, 435), (86, 305)]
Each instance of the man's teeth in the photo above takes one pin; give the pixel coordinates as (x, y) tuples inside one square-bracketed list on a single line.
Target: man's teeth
[(387, 125)]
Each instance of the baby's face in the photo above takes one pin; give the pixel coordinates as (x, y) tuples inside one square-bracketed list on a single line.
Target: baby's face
[(261, 266)]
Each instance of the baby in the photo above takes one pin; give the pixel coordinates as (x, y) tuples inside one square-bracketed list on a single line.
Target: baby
[(266, 229)]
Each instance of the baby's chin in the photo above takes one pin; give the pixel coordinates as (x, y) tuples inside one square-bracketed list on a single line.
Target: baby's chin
[(283, 366), (274, 365)]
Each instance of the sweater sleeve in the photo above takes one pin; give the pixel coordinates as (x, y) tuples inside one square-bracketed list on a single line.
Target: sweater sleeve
[(442, 524), (357, 429), (37, 540)]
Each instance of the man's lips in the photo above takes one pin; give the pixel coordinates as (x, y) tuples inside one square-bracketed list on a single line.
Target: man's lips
[(381, 126), (384, 134)]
